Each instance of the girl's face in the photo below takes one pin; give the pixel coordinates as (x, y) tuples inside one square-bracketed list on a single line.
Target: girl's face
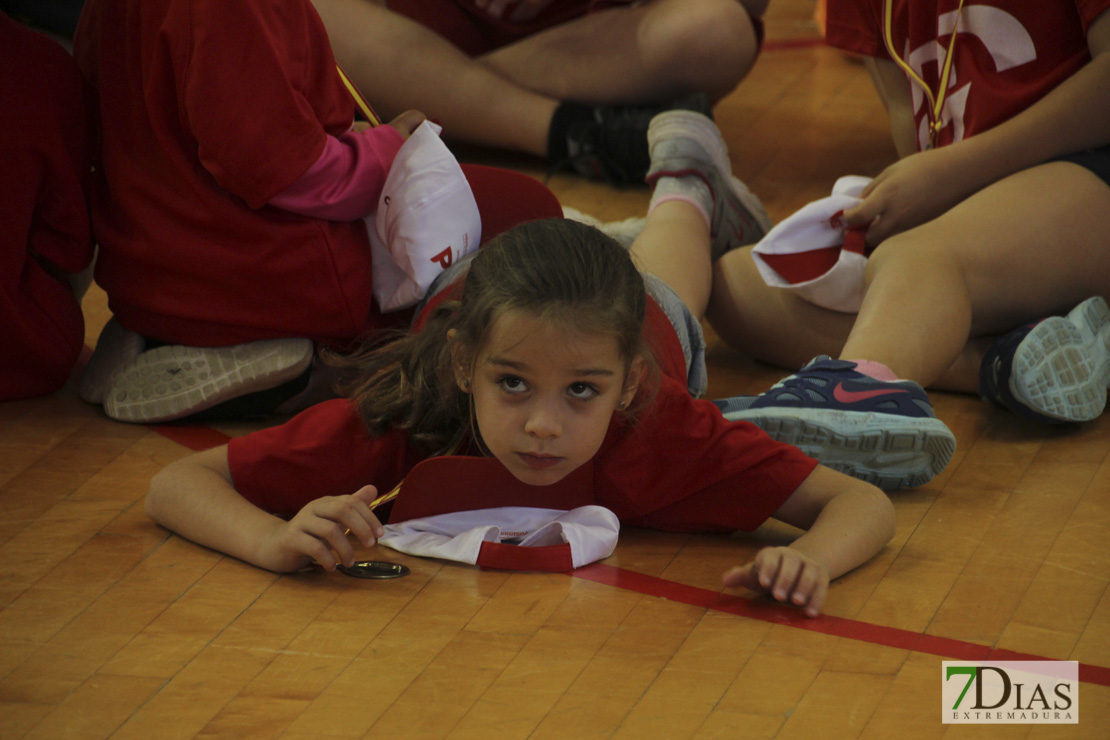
[(544, 395)]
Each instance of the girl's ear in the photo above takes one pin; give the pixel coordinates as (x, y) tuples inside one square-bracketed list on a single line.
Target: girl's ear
[(462, 375), (636, 371)]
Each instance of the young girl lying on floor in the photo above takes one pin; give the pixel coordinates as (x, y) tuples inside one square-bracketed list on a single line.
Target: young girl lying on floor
[(548, 350)]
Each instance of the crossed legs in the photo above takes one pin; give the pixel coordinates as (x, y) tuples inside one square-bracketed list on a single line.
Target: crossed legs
[(648, 52)]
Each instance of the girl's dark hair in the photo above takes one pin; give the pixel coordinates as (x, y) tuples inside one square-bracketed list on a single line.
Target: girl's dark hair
[(556, 269)]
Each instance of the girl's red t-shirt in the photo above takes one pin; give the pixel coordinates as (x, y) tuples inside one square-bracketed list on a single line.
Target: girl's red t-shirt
[(680, 467)]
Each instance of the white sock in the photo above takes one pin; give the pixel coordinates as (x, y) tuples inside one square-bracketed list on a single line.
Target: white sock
[(690, 188)]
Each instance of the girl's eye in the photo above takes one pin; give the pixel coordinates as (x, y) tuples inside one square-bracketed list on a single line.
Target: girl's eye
[(512, 384), (582, 391)]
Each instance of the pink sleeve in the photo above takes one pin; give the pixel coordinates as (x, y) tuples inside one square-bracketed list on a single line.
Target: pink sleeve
[(346, 181)]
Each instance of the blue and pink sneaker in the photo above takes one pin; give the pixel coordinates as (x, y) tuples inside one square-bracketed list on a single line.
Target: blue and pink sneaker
[(883, 432), (1055, 371)]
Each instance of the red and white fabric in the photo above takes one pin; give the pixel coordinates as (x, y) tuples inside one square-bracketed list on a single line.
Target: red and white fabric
[(473, 510), (1008, 54), (426, 219), (511, 538), (813, 254)]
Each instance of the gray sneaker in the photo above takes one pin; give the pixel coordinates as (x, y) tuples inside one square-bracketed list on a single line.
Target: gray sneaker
[(116, 349), (1053, 371), (174, 381), (685, 143)]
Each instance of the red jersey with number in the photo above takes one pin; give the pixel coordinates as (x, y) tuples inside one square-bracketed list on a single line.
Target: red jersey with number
[(1005, 57)]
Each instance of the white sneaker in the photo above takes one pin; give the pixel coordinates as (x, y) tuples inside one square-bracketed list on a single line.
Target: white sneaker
[(175, 381), (116, 348), (684, 143), (1054, 371)]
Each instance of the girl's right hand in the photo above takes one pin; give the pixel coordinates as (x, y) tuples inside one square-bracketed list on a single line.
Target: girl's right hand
[(319, 533)]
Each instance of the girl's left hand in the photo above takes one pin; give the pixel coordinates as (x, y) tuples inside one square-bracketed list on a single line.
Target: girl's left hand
[(786, 574), (912, 191)]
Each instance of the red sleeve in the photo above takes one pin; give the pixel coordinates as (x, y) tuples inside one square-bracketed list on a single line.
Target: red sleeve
[(856, 26), (259, 90), (683, 467), (323, 451), (1090, 10)]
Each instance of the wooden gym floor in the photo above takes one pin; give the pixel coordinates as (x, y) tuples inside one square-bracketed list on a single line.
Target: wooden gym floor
[(111, 627)]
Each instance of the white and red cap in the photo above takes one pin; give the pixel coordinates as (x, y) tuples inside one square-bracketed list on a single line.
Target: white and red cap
[(426, 220), (473, 510), (813, 254)]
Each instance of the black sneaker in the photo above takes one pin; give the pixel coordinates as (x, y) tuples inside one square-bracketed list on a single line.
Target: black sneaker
[(611, 145)]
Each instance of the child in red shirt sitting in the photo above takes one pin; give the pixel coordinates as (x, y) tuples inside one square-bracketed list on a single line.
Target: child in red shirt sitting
[(228, 204)]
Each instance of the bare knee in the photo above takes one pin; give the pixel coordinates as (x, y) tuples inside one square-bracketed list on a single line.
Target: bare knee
[(706, 46), (914, 250)]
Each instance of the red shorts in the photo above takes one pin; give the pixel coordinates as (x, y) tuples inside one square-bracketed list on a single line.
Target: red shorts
[(476, 32)]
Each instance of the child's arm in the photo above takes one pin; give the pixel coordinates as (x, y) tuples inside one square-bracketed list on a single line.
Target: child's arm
[(847, 521), (894, 89), (1073, 117), (346, 181), (195, 497)]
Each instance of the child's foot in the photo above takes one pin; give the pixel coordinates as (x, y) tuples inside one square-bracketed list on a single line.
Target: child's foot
[(1055, 371), (609, 142), (174, 381), (883, 432), (685, 143), (116, 349)]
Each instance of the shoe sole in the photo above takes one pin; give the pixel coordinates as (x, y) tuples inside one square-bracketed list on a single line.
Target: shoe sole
[(887, 450), (116, 348), (690, 125), (174, 381), (1062, 367)]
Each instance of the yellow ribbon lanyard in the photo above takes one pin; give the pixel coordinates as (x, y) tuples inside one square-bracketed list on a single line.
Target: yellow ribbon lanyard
[(360, 101), (936, 102), (387, 497)]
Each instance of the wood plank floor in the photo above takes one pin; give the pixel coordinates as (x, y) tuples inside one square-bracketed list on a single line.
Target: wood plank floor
[(112, 628)]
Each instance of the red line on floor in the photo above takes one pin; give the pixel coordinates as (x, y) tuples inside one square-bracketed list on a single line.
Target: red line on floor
[(196, 438), (807, 42), (769, 611)]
